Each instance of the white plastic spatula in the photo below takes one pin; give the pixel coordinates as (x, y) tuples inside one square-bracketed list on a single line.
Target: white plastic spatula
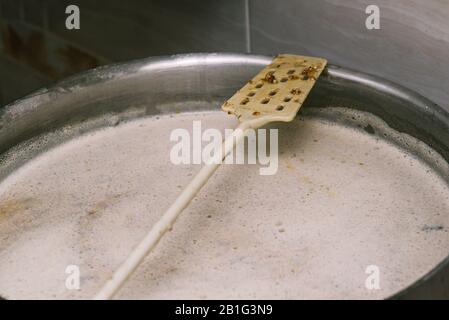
[(275, 94)]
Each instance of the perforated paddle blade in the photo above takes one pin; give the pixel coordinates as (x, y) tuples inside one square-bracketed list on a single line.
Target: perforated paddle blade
[(278, 91)]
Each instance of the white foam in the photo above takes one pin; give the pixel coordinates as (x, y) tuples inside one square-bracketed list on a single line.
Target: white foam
[(341, 200)]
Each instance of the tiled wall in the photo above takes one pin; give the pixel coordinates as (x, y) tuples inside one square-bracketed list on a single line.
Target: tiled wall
[(412, 46)]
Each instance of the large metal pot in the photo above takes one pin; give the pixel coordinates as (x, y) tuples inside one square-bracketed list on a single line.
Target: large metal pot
[(199, 80)]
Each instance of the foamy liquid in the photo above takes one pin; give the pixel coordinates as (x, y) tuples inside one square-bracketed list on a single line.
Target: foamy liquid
[(342, 200)]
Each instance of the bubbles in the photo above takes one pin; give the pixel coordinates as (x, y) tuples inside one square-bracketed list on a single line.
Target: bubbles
[(342, 196)]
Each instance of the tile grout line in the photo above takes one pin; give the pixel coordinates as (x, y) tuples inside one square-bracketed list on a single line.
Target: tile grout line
[(247, 27), (21, 10), (45, 17)]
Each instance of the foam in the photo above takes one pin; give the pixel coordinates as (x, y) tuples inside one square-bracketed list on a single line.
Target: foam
[(343, 199)]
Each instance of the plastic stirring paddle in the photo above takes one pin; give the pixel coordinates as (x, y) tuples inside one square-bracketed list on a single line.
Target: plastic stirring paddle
[(275, 94)]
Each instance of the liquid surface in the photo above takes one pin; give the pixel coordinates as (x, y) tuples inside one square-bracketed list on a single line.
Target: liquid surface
[(342, 200)]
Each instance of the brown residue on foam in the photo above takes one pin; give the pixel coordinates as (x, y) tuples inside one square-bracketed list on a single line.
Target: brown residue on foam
[(102, 204), (12, 206), (290, 166)]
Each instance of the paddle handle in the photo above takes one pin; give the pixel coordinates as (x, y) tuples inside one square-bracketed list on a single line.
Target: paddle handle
[(167, 220)]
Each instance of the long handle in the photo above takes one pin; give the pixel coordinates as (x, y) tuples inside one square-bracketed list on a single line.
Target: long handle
[(168, 218)]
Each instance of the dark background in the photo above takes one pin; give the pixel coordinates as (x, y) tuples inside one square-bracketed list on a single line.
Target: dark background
[(411, 48)]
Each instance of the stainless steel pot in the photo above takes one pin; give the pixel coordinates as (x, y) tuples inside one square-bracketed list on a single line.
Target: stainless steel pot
[(199, 80)]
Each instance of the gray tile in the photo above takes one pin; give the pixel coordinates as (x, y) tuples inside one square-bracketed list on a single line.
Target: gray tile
[(2, 45), (20, 80), (11, 9), (123, 30), (411, 47), (38, 50), (33, 12)]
